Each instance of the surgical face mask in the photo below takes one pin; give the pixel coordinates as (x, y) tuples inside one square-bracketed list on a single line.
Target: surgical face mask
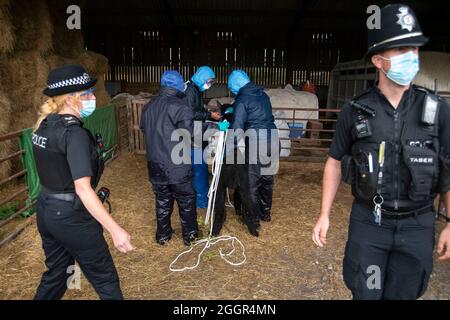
[(88, 107), (404, 68), (208, 84)]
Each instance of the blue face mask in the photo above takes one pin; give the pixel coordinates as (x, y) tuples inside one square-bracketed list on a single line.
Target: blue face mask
[(404, 68), (88, 108)]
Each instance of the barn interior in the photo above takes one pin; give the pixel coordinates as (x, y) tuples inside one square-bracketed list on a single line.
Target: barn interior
[(308, 55)]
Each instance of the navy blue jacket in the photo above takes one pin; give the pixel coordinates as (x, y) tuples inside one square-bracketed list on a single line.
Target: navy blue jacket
[(160, 118), (252, 109), (194, 97)]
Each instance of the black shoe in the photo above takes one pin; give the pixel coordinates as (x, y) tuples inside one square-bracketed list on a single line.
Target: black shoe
[(253, 230), (191, 239), (163, 241)]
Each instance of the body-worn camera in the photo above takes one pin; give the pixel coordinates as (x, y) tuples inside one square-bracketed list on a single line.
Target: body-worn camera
[(430, 110), (363, 127), (103, 194)]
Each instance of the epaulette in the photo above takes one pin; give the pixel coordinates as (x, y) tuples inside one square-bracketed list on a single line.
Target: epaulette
[(362, 94), (71, 121), (427, 91)]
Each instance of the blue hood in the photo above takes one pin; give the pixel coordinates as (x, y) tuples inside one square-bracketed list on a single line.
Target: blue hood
[(202, 75), (237, 80), (173, 79)]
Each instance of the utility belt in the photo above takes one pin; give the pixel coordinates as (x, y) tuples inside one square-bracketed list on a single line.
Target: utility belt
[(388, 213), (103, 194), (67, 197)]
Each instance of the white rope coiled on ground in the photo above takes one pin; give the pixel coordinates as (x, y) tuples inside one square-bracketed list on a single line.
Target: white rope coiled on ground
[(211, 241)]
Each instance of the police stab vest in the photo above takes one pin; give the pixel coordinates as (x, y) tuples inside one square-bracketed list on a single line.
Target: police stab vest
[(411, 163), (49, 148)]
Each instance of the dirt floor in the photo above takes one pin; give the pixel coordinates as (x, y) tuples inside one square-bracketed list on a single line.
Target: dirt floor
[(283, 263)]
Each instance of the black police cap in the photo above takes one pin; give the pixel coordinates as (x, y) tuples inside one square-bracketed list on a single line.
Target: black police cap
[(399, 28), (68, 79)]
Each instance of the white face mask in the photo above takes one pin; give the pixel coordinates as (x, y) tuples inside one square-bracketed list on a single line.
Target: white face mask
[(404, 68), (88, 108), (206, 86)]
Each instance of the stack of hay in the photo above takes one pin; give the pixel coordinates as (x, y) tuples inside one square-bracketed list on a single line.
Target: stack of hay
[(33, 40)]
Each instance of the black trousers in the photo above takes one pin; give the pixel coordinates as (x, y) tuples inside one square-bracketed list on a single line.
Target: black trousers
[(70, 235), (393, 261), (261, 190), (184, 194)]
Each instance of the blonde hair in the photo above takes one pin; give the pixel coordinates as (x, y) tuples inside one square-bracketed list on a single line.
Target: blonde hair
[(51, 105)]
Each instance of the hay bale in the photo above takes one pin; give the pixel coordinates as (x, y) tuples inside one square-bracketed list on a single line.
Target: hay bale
[(103, 97), (5, 146), (6, 29), (54, 61), (33, 26), (66, 43), (24, 76), (24, 119), (97, 66), (93, 62)]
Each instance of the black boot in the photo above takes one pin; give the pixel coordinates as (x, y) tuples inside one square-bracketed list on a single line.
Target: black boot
[(185, 197), (189, 240), (164, 208), (265, 196)]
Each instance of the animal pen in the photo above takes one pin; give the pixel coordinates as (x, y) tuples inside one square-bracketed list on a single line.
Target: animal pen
[(307, 56)]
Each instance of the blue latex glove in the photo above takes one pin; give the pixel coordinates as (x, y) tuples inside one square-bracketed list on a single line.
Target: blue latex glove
[(229, 110), (223, 125)]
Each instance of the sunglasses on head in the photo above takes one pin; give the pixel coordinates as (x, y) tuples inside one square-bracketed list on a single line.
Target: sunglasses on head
[(88, 92)]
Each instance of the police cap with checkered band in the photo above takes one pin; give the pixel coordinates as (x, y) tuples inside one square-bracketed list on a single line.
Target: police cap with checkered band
[(399, 28), (68, 79)]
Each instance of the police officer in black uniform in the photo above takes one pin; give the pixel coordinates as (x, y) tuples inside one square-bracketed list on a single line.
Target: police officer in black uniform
[(70, 216), (392, 144)]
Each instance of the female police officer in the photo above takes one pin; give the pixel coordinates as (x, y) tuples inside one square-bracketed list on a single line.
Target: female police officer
[(69, 214)]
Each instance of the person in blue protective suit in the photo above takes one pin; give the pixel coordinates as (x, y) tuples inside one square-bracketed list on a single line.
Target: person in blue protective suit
[(171, 181), (201, 81), (253, 110)]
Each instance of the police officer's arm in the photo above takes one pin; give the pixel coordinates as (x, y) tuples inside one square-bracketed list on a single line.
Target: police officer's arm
[(78, 155), (341, 146), (443, 247)]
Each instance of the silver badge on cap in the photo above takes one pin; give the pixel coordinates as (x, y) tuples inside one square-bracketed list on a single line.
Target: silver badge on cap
[(406, 19), (86, 77)]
